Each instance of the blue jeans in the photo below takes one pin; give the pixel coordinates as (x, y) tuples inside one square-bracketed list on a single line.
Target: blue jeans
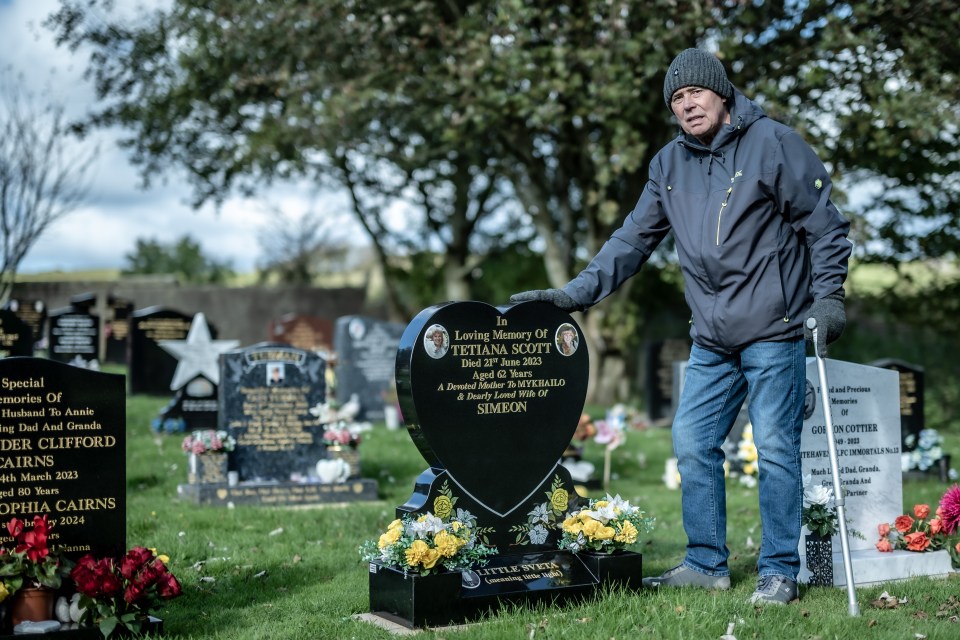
[(714, 388)]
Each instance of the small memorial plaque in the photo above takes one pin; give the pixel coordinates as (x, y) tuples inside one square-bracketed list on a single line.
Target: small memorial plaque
[(366, 357), (266, 393), (63, 453)]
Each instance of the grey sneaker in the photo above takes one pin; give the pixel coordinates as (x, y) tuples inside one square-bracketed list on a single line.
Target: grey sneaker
[(774, 590), (683, 576)]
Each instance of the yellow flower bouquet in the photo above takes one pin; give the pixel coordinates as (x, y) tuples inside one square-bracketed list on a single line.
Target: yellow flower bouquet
[(428, 544), (606, 525)]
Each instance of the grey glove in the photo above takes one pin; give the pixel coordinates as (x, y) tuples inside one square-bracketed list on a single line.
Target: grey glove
[(556, 297), (829, 313)]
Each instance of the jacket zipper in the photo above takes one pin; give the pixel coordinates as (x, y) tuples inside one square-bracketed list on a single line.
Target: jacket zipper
[(720, 214)]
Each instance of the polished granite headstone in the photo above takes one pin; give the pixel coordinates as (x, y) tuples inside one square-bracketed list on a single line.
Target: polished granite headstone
[(74, 335), (911, 398), (151, 368), (63, 452), (16, 336), (266, 392), (32, 312), (491, 401), (116, 329), (659, 380), (366, 357), (865, 410)]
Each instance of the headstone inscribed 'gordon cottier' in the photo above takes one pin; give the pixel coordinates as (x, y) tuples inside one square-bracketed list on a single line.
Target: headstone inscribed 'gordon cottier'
[(366, 357), (266, 393), (62, 453)]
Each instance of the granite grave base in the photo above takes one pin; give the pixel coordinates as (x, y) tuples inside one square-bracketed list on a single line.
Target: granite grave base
[(416, 601), (872, 567), (278, 494)]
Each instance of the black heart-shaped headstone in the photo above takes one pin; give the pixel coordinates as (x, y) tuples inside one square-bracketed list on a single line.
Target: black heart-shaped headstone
[(493, 394)]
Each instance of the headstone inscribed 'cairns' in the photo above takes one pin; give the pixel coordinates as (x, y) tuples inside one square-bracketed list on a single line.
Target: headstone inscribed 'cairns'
[(266, 393), (366, 357), (74, 335), (16, 337), (151, 369), (63, 452)]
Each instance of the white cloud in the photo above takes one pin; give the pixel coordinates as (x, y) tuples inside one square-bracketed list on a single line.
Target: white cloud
[(117, 211)]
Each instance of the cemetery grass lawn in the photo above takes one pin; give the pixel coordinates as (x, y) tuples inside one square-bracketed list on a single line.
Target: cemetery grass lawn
[(254, 572)]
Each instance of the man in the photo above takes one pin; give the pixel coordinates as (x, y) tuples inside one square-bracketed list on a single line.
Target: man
[(762, 248)]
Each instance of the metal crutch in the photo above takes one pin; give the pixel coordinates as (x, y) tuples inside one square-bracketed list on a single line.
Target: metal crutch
[(852, 606)]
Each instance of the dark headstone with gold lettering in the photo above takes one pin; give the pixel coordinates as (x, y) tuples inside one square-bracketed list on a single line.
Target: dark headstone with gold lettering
[(150, 368), (116, 329), (911, 399), (266, 392), (16, 336), (366, 351), (63, 452), (492, 396), (33, 312)]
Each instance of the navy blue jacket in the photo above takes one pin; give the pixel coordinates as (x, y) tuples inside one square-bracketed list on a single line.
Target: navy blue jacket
[(756, 233)]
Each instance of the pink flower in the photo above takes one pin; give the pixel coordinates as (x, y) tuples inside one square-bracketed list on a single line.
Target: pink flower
[(921, 510), (935, 526), (950, 509), (884, 529), (903, 523), (884, 546), (917, 541)]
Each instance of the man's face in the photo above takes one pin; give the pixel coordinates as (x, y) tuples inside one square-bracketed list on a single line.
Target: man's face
[(701, 112)]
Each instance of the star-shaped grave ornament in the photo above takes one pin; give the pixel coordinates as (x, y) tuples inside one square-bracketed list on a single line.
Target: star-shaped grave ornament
[(197, 355)]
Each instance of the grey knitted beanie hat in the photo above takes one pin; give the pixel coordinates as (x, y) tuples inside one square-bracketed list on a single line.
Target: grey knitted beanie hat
[(696, 68)]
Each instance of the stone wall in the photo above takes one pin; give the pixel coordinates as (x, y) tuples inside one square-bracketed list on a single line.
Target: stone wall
[(242, 313)]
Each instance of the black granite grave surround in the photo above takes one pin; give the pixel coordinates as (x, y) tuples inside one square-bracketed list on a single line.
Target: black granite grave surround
[(491, 396)]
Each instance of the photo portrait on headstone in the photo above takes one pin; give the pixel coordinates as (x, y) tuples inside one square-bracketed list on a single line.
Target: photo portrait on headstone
[(436, 341)]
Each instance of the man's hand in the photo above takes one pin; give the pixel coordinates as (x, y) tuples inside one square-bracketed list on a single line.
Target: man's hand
[(831, 319), (556, 297)]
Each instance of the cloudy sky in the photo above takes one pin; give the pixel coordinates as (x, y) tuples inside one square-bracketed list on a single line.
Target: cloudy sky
[(117, 211)]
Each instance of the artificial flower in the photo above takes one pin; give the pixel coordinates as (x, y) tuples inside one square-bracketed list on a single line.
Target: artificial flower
[(950, 509), (428, 543), (606, 525)]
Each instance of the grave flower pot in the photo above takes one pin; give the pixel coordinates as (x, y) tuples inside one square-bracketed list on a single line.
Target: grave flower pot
[(34, 604), (209, 468), (819, 559), (414, 600), (349, 454)]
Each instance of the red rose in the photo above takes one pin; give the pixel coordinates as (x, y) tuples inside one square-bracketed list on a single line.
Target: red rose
[(921, 510), (111, 585), (917, 541), (936, 525), (903, 523), (168, 587), (884, 530), (884, 546), (134, 559), (133, 593)]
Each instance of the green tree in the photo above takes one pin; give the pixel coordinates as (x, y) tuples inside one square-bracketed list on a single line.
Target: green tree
[(183, 258), (514, 121)]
